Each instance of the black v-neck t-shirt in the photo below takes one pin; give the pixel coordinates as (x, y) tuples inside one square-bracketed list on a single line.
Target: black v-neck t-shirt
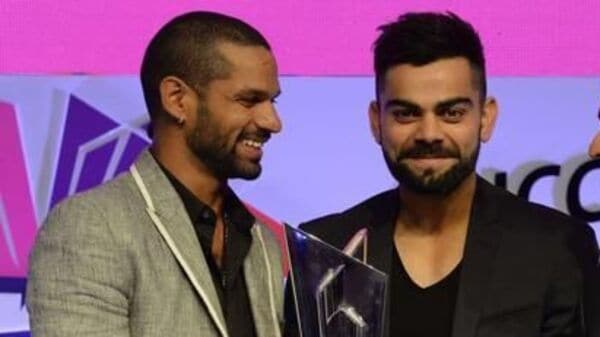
[(421, 312)]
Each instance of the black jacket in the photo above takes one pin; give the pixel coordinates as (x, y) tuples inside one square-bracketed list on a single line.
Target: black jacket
[(527, 270)]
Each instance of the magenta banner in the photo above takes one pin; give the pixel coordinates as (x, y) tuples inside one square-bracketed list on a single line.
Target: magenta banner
[(522, 38)]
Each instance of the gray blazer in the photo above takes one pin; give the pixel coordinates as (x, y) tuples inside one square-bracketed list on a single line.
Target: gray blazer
[(123, 260)]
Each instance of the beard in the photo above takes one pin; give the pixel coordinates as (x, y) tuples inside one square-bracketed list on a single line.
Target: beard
[(428, 182), (215, 150)]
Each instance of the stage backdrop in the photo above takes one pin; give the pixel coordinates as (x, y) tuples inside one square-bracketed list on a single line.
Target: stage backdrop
[(61, 133)]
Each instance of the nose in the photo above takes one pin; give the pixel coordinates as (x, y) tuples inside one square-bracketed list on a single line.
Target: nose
[(429, 129), (594, 150), (268, 119)]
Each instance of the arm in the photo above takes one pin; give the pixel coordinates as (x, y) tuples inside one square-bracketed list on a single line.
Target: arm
[(585, 246), (572, 302), (79, 277), (562, 302)]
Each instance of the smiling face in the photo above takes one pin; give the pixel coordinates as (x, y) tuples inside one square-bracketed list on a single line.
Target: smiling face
[(236, 115), (429, 121)]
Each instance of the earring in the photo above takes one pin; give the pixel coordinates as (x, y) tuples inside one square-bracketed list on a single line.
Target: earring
[(181, 120)]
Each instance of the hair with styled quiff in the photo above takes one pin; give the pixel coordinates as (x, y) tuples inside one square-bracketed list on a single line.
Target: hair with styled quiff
[(422, 38)]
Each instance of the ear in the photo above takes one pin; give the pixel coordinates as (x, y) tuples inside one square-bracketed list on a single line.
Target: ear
[(374, 121), (488, 119), (174, 95)]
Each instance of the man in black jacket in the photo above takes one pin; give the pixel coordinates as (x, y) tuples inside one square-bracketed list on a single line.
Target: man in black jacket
[(464, 258)]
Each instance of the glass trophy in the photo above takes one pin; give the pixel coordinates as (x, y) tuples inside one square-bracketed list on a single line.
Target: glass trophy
[(336, 293)]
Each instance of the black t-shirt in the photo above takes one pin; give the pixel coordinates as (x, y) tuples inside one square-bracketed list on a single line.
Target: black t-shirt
[(421, 312)]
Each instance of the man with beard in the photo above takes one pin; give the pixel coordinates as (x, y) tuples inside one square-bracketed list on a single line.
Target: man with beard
[(464, 258), (167, 249)]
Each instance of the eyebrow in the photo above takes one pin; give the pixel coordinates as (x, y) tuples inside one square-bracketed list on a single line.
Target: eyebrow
[(398, 102), (452, 102), (258, 93)]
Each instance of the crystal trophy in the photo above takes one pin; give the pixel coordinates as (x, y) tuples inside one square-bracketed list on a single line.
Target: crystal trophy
[(336, 293)]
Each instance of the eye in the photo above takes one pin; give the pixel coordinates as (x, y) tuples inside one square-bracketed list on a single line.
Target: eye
[(453, 114), (248, 101), (404, 115)]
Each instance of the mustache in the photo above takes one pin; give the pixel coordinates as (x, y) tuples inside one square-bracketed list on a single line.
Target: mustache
[(428, 150), (258, 136)]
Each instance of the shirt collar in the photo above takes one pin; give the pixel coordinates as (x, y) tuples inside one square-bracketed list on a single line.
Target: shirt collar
[(233, 208)]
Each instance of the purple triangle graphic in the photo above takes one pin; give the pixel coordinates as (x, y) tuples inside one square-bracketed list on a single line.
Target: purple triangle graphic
[(95, 165), (135, 145), (83, 123)]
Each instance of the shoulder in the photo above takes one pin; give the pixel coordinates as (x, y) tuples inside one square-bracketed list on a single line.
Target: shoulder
[(111, 193), (533, 221), (95, 209), (336, 228), (528, 214)]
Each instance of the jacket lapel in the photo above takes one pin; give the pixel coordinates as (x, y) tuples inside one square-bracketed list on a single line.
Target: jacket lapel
[(170, 218), (483, 238), (380, 218), (259, 277)]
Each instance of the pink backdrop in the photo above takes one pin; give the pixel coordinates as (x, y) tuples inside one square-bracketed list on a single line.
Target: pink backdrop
[(543, 37)]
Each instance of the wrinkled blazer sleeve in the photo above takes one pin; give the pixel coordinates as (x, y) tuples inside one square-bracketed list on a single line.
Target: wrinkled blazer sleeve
[(562, 314), (80, 277), (585, 248)]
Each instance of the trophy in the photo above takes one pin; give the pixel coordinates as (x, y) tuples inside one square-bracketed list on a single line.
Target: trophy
[(337, 294)]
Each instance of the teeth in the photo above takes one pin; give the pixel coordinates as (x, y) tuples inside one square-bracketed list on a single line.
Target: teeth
[(252, 143)]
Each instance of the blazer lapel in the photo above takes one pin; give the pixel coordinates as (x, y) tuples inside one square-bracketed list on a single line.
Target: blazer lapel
[(483, 238), (170, 218), (380, 217), (258, 276)]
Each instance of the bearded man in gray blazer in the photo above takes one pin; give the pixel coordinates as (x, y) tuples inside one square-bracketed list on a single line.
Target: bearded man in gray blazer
[(167, 249)]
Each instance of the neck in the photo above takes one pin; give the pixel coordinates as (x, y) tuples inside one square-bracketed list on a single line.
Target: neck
[(434, 214), (191, 172)]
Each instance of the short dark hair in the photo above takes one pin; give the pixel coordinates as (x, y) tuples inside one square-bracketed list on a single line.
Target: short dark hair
[(421, 38), (186, 47)]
